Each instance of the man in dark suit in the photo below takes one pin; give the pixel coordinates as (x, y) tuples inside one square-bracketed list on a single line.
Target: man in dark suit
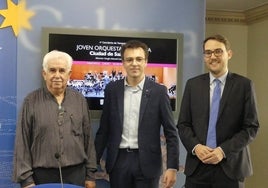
[(134, 110), (226, 164)]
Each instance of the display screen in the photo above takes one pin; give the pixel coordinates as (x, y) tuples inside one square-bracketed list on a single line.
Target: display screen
[(97, 60)]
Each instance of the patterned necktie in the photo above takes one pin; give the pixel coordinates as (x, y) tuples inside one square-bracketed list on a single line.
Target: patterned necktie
[(215, 103)]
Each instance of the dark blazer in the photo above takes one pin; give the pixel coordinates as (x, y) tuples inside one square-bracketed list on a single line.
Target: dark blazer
[(155, 110), (237, 123)]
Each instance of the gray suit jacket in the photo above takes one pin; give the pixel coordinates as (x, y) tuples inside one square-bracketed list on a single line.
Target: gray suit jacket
[(155, 111), (237, 123)]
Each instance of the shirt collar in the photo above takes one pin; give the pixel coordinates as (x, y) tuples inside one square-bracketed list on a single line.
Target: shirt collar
[(221, 78), (51, 95), (140, 85)]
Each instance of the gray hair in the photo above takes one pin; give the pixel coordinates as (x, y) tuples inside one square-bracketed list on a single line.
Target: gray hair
[(55, 54)]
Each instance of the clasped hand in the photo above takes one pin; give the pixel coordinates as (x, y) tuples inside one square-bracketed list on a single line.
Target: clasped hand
[(209, 155)]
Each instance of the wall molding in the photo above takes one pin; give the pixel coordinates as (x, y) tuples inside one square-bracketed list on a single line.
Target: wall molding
[(238, 18)]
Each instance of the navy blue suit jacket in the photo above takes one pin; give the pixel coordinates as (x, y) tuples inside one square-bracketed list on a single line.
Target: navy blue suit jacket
[(237, 123), (155, 111)]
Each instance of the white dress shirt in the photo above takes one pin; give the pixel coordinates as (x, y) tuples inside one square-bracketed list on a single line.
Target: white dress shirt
[(132, 100)]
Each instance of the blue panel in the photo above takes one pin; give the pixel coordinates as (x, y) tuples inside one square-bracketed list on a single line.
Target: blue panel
[(8, 106), (20, 63)]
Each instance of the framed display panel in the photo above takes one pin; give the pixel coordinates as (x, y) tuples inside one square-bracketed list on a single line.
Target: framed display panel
[(97, 60)]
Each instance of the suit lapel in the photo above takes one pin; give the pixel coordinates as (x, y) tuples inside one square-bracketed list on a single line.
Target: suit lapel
[(120, 99), (227, 89), (146, 93), (205, 94)]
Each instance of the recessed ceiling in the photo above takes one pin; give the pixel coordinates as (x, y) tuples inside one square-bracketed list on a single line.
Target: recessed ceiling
[(234, 5)]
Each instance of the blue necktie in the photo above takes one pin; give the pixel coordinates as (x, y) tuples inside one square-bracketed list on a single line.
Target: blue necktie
[(215, 103)]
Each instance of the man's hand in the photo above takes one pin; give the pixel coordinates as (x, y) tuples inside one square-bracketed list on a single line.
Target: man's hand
[(90, 184), (208, 155), (214, 157), (202, 151), (169, 178)]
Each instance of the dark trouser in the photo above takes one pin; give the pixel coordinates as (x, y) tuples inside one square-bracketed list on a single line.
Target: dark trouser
[(211, 176), (127, 172), (72, 175)]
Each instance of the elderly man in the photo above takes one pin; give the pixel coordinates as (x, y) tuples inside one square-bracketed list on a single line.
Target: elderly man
[(53, 138)]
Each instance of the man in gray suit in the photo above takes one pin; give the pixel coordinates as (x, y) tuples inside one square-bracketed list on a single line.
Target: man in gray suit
[(134, 110), (226, 164)]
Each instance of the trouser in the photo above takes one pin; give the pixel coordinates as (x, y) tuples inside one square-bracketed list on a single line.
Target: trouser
[(211, 176), (127, 172), (72, 175)]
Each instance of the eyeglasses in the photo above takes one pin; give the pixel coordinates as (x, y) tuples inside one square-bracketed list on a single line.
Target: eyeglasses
[(138, 60), (217, 52)]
